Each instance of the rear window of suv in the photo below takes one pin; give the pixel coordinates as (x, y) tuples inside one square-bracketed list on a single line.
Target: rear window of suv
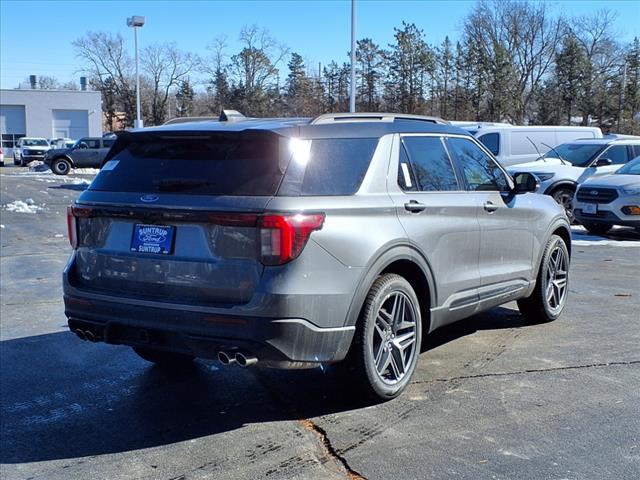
[(244, 163)]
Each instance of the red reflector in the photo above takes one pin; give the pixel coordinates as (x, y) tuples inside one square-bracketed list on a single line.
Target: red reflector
[(72, 229), (283, 237), (233, 220)]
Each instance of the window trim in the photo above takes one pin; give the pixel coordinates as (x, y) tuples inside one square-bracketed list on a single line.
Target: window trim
[(456, 173)]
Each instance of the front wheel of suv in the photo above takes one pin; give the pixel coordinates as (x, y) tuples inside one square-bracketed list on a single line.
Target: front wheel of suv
[(60, 166), (549, 297), (386, 346), (564, 197), (164, 359)]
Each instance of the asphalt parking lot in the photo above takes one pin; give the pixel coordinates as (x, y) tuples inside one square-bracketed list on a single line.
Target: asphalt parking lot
[(492, 397)]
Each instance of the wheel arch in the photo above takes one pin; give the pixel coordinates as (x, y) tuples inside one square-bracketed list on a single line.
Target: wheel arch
[(405, 261), (561, 183), (560, 228)]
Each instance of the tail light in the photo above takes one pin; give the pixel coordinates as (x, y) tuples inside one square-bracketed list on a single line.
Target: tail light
[(72, 224), (283, 237)]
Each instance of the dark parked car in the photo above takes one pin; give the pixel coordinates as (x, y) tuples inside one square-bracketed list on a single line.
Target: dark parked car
[(88, 152), (294, 242)]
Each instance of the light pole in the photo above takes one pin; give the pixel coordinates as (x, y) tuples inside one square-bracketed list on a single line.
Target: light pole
[(136, 22), (352, 99)]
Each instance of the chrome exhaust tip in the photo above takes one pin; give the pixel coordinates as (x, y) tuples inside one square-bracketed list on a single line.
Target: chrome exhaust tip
[(89, 335), (80, 334), (245, 360), (226, 357)]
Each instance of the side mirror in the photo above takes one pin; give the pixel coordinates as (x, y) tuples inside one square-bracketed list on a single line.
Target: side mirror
[(604, 162), (525, 182)]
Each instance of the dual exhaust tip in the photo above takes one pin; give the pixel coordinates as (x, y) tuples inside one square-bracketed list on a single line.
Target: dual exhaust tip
[(226, 357), (234, 355), (85, 335)]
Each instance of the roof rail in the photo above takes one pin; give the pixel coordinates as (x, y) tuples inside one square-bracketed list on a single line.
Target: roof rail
[(373, 117), (225, 116), (175, 120)]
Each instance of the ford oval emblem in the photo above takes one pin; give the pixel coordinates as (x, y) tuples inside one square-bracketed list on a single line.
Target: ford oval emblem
[(149, 198), (594, 192)]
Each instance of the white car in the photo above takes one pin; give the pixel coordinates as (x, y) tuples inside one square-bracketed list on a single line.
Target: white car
[(28, 149), (603, 202), (516, 144), (1, 158), (566, 166)]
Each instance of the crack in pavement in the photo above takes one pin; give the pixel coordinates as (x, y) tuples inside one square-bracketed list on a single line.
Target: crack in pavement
[(533, 370), (329, 449)]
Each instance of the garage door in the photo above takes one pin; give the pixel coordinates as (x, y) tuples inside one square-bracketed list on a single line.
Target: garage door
[(12, 124), (70, 123)]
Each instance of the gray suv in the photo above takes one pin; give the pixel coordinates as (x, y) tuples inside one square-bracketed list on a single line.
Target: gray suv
[(293, 243)]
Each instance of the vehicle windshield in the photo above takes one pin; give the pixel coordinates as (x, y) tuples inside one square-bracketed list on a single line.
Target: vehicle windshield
[(631, 168), (34, 142), (578, 154)]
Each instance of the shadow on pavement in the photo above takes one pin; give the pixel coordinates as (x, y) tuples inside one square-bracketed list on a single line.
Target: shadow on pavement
[(76, 187), (63, 398)]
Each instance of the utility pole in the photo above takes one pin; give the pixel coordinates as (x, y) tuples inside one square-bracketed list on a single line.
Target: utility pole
[(352, 97), (136, 22)]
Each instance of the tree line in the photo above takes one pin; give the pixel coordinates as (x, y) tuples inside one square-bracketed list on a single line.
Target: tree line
[(515, 61)]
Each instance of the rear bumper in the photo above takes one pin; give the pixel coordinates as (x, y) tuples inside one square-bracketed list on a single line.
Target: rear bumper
[(284, 343)]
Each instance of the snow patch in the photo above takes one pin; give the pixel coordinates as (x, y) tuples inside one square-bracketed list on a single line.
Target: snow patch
[(24, 207), (581, 237)]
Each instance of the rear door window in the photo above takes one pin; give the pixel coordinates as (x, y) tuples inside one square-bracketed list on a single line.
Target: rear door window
[(430, 164), (480, 171)]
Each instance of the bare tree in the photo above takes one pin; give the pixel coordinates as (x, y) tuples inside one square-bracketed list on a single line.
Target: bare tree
[(166, 66), (522, 32), (105, 57)]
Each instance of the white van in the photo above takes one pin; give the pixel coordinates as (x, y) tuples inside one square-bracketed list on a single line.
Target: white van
[(513, 145)]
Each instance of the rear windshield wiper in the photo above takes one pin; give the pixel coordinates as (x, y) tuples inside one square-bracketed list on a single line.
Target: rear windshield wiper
[(182, 184)]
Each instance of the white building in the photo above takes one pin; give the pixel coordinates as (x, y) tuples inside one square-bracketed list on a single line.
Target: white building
[(49, 114)]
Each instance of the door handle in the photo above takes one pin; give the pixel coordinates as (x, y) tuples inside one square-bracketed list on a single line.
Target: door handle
[(490, 207), (414, 207)]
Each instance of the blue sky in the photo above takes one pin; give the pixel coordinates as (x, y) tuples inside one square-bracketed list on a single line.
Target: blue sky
[(36, 36)]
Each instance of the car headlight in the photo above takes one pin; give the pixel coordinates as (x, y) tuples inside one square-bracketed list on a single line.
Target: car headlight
[(544, 176), (631, 191)]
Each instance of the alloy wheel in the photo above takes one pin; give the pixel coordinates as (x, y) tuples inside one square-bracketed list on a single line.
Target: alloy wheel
[(394, 338), (555, 288)]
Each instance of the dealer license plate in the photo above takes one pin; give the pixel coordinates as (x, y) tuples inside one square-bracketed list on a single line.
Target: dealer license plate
[(153, 239)]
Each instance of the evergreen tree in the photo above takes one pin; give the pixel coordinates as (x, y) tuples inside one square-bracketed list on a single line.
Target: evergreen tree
[(569, 74)]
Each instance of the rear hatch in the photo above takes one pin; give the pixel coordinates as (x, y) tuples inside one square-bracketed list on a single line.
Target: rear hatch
[(173, 217)]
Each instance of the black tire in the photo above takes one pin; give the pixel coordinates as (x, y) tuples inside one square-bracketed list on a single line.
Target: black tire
[(61, 166), (16, 161), (564, 196), (596, 228), (164, 359), (538, 308), (22, 162), (360, 364)]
